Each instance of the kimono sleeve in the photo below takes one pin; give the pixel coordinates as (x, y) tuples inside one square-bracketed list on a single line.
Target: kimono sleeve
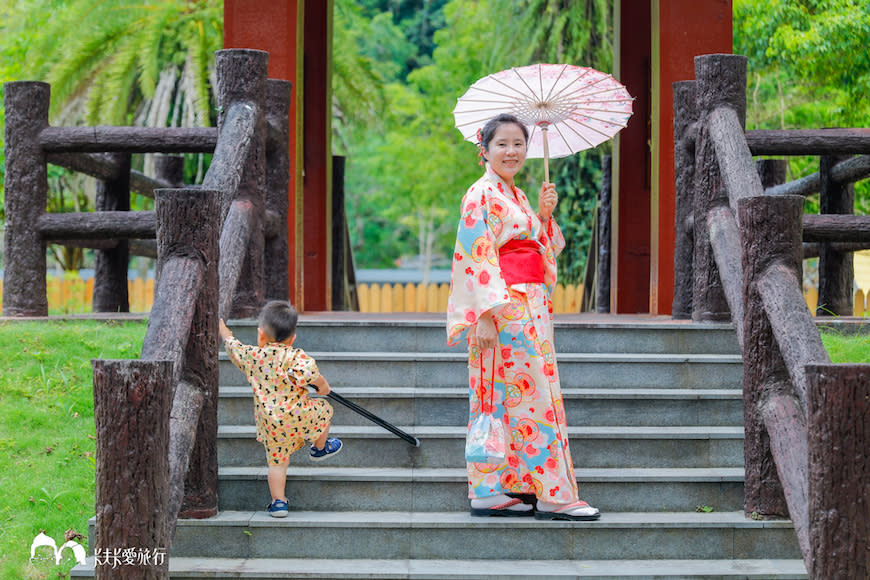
[(239, 354), (476, 284), (302, 369), (554, 242)]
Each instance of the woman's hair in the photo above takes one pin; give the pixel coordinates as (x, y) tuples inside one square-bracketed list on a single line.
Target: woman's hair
[(488, 131), (278, 320)]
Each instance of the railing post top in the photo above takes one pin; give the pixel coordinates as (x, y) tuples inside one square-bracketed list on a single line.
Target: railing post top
[(787, 200), (251, 53), (25, 86), (722, 81)]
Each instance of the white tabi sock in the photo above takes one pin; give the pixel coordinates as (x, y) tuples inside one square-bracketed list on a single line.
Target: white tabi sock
[(494, 500)]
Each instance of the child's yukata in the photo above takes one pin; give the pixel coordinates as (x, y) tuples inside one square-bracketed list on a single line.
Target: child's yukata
[(286, 416), (522, 370)]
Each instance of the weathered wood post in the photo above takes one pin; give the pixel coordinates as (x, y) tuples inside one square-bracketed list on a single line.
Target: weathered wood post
[(277, 249), (769, 225), (721, 81), (182, 328), (241, 82), (131, 411), (602, 263), (26, 195), (771, 171), (836, 271), (685, 118), (838, 405), (169, 169), (111, 264)]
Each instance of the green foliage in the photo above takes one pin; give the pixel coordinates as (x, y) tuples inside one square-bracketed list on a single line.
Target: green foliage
[(47, 441), (845, 347), (808, 68)]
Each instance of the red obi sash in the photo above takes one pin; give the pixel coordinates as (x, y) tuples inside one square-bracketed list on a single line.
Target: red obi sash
[(521, 262)]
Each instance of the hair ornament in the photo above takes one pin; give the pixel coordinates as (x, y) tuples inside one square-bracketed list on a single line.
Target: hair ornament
[(480, 150)]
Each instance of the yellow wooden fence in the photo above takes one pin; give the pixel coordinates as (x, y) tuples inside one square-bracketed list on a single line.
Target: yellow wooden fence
[(73, 296)]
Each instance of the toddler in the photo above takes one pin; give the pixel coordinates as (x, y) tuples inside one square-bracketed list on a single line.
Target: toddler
[(286, 416)]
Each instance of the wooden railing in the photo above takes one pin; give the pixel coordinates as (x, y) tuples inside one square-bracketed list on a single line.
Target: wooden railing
[(156, 417), (807, 422)]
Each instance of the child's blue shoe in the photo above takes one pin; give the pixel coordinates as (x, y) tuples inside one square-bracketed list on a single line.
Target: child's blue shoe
[(333, 446), (278, 508)]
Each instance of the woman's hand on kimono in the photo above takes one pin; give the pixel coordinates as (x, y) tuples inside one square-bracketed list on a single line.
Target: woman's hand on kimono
[(547, 200), (487, 335)]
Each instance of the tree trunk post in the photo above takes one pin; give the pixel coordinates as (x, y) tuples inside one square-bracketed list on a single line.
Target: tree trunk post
[(131, 412), (838, 409), (176, 210), (340, 241), (685, 115), (771, 234), (241, 78), (602, 275), (721, 81), (836, 270), (277, 248), (26, 195), (169, 169), (771, 171), (111, 265)]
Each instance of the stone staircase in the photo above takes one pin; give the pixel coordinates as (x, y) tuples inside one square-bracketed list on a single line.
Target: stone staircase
[(655, 423)]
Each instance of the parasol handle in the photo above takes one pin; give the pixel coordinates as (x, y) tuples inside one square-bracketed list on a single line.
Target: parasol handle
[(544, 127)]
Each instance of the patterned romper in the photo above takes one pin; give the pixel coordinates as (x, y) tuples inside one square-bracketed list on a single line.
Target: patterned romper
[(286, 416)]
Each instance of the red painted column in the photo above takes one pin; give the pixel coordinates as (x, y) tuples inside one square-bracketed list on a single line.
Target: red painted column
[(317, 106), (630, 237), (275, 26), (682, 29)]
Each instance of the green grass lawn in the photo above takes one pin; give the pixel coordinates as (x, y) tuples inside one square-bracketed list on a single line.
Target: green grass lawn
[(47, 428), (47, 433)]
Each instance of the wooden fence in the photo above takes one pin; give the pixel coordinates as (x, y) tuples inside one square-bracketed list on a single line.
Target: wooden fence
[(74, 296)]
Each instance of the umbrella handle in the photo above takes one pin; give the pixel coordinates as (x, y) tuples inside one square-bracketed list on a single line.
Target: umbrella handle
[(546, 153)]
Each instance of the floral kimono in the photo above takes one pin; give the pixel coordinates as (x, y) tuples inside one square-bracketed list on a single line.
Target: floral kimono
[(519, 382)]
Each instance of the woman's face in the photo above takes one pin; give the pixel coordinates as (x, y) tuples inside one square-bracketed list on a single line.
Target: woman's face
[(506, 152)]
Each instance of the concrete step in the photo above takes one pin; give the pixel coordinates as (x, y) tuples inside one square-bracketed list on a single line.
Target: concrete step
[(449, 406), (668, 371), (616, 446), (451, 569), (427, 333), (455, 535), (446, 489)]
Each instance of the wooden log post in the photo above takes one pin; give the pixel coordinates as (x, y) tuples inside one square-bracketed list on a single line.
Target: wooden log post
[(26, 195), (241, 81), (602, 274), (277, 246), (767, 225), (838, 405), (685, 117), (721, 81), (131, 412), (183, 326), (111, 264), (836, 271), (772, 172), (169, 169)]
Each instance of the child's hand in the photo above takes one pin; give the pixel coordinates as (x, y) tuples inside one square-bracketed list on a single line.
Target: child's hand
[(224, 332), (321, 386)]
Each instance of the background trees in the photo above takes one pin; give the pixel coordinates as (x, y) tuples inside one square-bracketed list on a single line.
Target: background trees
[(399, 66)]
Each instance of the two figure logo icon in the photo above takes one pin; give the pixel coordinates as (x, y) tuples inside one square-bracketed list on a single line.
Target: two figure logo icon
[(41, 540)]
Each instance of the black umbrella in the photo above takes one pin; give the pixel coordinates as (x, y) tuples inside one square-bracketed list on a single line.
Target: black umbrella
[(374, 418)]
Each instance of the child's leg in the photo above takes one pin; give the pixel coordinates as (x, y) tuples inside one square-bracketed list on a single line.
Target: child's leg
[(321, 441), (278, 480)]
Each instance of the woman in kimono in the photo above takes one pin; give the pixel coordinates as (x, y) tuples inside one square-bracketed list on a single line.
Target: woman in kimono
[(504, 268)]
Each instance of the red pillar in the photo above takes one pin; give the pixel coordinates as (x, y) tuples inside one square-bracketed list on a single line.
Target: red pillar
[(317, 104), (630, 237), (279, 27), (681, 30)]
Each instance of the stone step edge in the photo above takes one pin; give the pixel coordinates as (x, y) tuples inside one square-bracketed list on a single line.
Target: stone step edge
[(458, 474), (567, 393), (568, 357), (457, 519), (447, 569), (459, 432)]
